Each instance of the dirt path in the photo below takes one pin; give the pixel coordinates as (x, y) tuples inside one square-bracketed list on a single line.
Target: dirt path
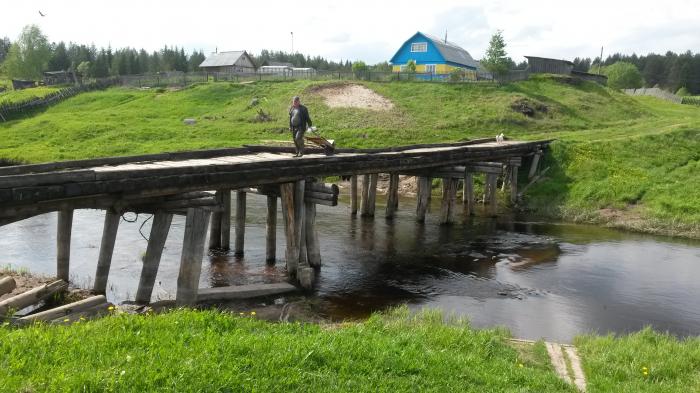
[(353, 96)]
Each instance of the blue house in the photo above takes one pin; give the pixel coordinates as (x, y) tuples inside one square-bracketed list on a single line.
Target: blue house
[(433, 55)]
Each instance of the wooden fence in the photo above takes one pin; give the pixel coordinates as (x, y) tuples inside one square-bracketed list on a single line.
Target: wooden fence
[(15, 109)]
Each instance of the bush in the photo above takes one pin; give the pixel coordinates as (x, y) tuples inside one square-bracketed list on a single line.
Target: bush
[(456, 75), (682, 92), (623, 75)]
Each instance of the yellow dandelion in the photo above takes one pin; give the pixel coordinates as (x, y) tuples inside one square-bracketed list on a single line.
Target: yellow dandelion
[(110, 308), (66, 320), (241, 314), (520, 365), (645, 373), (82, 319), (252, 313)]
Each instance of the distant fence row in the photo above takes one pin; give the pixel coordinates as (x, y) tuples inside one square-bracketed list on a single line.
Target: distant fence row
[(172, 79), (14, 109)]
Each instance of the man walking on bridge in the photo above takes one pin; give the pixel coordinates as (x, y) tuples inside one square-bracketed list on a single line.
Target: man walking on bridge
[(299, 120)]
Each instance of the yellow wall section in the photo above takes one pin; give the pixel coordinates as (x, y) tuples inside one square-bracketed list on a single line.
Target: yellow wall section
[(440, 69)]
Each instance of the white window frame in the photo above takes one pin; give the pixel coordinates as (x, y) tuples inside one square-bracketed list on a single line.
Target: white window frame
[(402, 68), (433, 66), (419, 47)]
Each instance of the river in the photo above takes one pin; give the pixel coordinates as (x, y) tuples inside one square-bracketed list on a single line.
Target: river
[(539, 279)]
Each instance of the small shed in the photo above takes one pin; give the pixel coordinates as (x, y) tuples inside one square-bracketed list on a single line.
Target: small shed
[(57, 77), (233, 62), (19, 84), (543, 65)]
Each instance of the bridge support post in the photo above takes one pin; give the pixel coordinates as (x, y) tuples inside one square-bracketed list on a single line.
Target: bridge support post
[(353, 195), (392, 199), (423, 197), (371, 195), (449, 196), (292, 196), (468, 193), (533, 166), (104, 260), (156, 243), (364, 203), (215, 227), (63, 235), (271, 236), (313, 248), (191, 259), (226, 219), (513, 183), (240, 222), (491, 193)]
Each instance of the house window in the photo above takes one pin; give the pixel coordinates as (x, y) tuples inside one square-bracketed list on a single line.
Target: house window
[(419, 47), (402, 68), (430, 68)]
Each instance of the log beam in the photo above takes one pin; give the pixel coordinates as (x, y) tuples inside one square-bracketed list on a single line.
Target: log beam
[(240, 222), (271, 228), (65, 226), (154, 251), (191, 259), (104, 260), (449, 196), (423, 197), (392, 198), (353, 195)]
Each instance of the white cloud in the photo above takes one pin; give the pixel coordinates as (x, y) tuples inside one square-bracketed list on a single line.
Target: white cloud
[(367, 30)]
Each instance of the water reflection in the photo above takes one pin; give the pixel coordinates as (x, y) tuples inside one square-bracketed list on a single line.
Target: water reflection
[(538, 279)]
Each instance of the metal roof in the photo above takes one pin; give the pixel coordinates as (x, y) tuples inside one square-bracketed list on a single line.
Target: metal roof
[(222, 59), (550, 59), (452, 52)]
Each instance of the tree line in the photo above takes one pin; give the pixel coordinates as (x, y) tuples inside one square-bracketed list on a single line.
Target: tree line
[(671, 71), (32, 54)]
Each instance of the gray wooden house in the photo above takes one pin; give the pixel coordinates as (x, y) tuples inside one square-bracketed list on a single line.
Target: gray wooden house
[(543, 65), (233, 62)]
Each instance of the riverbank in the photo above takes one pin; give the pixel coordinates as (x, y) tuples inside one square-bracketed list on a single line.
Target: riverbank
[(187, 350)]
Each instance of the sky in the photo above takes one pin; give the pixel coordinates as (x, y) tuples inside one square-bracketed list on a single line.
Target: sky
[(371, 31)]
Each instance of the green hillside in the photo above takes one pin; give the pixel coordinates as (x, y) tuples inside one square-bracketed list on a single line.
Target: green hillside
[(628, 161)]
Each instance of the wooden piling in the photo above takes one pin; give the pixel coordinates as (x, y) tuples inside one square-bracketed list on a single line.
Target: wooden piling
[(468, 194), (372, 194), (215, 226), (392, 198), (240, 222), (533, 166), (191, 259), (226, 219), (104, 260), (154, 250), (353, 195), (271, 227), (423, 197), (291, 253), (364, 206), (491, 180), (7, 285), (313, 247), (513, 183), (449, 196), (299, 213), (65, 226)]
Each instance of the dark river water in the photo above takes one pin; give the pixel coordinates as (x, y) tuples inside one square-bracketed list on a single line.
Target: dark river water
[(541, 280)]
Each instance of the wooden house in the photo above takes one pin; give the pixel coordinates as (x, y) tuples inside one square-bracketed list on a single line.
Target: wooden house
[(434, 56), (233, 62)]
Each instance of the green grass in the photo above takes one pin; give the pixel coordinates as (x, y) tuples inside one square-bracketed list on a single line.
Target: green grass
[(210, 351), (645, 361), (626, 161), (14, 96)]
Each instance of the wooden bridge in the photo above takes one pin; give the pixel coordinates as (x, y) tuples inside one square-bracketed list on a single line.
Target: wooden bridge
[(199, 184)]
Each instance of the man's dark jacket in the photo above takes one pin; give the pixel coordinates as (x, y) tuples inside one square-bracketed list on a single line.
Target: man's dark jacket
[(305, 118)]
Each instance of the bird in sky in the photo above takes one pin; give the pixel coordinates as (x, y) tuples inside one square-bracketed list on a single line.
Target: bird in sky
[(40, 13)]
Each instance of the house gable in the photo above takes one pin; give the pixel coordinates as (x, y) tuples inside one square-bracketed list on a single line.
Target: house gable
[(430, 56)]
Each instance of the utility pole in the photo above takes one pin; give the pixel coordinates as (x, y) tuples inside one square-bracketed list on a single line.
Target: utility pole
[(292, 33), (600, 63)]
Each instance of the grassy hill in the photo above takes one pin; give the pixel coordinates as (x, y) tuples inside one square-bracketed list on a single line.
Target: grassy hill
[(628, 161)]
